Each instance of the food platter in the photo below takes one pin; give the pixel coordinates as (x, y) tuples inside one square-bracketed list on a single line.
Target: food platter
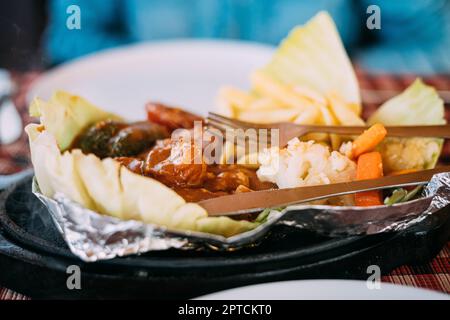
[(171, 206), (34, 257)]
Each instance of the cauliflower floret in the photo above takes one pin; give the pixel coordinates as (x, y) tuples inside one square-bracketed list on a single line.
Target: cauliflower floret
[(346, 149), (304, 164), (408, 153)]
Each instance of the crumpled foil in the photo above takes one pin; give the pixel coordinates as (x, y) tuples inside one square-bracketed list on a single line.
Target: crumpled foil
[(92, 236)]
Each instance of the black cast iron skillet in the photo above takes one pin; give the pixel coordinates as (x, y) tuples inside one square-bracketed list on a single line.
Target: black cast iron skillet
[(34, 257)]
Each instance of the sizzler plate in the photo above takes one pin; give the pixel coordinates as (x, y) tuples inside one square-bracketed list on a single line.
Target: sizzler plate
[(34, 257)]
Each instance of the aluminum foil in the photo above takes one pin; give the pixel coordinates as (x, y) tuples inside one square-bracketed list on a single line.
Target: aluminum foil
[(92, 236)]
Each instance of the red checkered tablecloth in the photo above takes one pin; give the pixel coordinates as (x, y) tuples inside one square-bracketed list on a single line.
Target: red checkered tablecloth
[(434, 275)]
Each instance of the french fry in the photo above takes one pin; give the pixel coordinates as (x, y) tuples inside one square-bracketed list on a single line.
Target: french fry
[(329, 119), (265, 104), (269, 116), (310, 94), (342, 111), (239, 99), (368, 140), (270, 88), (309, 116), (335, 141), (369, 166)]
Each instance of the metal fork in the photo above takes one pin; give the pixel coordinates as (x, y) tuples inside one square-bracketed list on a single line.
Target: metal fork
[(288, 131)]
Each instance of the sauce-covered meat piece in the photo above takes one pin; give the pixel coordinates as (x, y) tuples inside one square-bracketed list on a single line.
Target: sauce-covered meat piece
[(135, 165), (170, 117), (172, 163), (194, 182), (116, 139), (135, 138), (230, 177), (95, 139), (226, 178), (166, 162)]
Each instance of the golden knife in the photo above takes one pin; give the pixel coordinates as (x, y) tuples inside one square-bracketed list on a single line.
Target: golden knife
[(259, 200)]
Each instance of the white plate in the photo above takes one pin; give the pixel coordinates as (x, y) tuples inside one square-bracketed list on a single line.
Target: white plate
[(186, 73), (325, 290)]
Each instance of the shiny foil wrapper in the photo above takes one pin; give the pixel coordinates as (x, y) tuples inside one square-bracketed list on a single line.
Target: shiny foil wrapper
[(92, 236)]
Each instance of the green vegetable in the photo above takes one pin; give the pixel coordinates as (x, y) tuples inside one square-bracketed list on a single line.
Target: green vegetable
[(66, 115), (397, 196), (401, 195), (411, 194), (419, 104), (262, 217)]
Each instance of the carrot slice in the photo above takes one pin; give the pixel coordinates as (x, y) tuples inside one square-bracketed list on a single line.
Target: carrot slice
[(369, 166), (369, 139)]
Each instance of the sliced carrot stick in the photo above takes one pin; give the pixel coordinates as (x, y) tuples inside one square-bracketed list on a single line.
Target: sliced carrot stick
[(369, 139), (369, 166)]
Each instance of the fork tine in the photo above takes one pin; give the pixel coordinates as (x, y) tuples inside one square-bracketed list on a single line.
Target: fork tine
[(235, 124), (225, 121), (219, 125), (223, 127)]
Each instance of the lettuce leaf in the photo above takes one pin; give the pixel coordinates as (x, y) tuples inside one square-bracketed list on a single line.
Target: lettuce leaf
[(313, 58), (419, 104), (55, 172), (65, 115)]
